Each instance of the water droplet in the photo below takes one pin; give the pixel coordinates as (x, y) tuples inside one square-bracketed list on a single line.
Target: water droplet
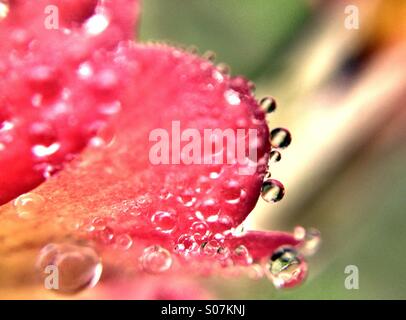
[(280, 138), (223, 253), (42, 74), (110, 108), (209, 208), (242, 256), (99, 223), (105, 136), (164, 221), (6, 126), (199, 227), (268, 104), (124, 241), (210, 248), (232, 97), (97, 24), (106, 79), (275, 156), (85, 70), (272, 190), (187, 198), (4, 9), (156, 259), (286, 268), (28, 205), (42, 151), (78, 267), (186, 244), (232, 192), (209, 55), (224, 68), (311, 240)]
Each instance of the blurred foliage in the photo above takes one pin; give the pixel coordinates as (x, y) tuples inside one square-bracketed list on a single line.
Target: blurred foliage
[(247, 35)]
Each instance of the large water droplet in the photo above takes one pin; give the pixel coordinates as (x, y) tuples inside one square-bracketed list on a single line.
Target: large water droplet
[(272, 190), (286, 268), (280, 138), (164, 221), (76, 267), (28, 205), (156, 259), (268, 104)]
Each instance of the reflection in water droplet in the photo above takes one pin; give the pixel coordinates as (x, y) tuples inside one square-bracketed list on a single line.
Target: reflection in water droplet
[(164, 221), (286, 268), (4, 9), (272, 190), (280, 138), (275, 156), (311, 240), (156, 259), (77, 267), (28, 205), (268, 104)]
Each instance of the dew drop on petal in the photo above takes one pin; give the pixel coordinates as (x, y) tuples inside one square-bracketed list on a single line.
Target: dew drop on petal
[(164, 221), (268, 104), (41, 151), (28, 205), (156, 259), (286, 268), (232, 97), (97, 24), (280, 138), (124, 241), (210, 248), (77, 267), (209, 55), (241, 256), (272, 190)]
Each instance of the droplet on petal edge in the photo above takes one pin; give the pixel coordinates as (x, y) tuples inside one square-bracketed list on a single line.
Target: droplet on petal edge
[(272, 190), (280, 138), (286, 267)]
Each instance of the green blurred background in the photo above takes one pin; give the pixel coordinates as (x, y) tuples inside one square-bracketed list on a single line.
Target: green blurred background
[(342, 93)]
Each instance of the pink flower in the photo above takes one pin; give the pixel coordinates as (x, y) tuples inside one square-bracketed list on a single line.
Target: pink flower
[(85, 92)]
